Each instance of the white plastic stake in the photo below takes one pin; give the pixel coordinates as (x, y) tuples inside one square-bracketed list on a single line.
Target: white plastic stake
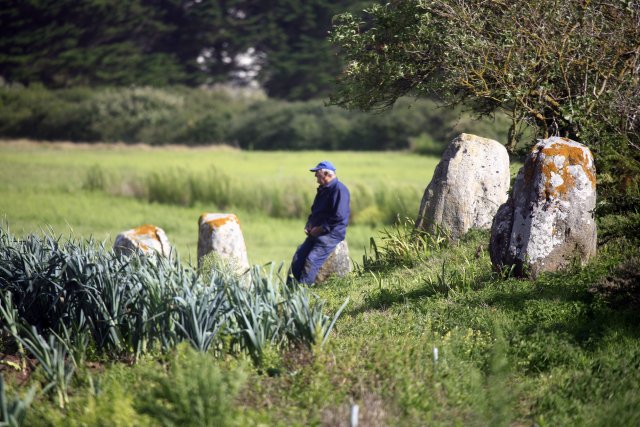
[(354, 416), (435, 354)]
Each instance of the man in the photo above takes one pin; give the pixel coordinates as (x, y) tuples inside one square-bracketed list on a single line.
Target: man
[(326, 226)]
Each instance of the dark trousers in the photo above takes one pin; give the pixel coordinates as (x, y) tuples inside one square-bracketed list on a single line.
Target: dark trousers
[(310, 256)]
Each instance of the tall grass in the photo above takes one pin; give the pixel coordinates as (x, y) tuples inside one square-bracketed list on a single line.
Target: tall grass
[(402, 245), (44, 187), (370, 205)]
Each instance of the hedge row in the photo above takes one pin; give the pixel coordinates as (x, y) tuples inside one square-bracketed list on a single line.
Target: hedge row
[(180, 115)]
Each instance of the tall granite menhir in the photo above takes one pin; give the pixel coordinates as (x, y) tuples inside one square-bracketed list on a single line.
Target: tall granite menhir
[(469, 184), (548, 220)]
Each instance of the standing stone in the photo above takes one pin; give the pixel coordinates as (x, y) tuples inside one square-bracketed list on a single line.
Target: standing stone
[(469, 184), (143, 240), (338, 263), (221, 233), (548, 219)]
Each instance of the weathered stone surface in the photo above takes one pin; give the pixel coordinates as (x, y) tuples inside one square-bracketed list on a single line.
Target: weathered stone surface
[(468, 185), (338, 263), (548, 219), (143, 240), (221, 233)]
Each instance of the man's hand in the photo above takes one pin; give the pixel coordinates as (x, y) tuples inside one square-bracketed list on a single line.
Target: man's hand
[(314, 231)]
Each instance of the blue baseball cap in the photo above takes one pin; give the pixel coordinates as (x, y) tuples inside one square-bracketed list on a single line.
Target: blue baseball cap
[(325, 164)]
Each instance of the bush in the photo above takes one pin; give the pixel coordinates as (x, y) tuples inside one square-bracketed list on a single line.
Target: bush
[(278, 125), (194, 392), (180, 115), (153, 116)]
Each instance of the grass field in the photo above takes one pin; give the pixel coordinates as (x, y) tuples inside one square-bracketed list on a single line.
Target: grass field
[(428, 338), (43, 185), (431, 335)]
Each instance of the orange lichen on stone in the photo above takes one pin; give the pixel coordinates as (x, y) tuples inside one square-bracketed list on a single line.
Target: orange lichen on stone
[(219, 221), (147, 230), (572, 156)]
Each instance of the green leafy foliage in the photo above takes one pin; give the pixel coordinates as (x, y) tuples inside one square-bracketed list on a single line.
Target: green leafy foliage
[(493, 55), (120, 42), (279, 43), (186, 116), (51, 355), (274, 313), (567, 69), (548, 351), (299, 63), (201, 317), (70, 43), (194, 391), (144, 114)]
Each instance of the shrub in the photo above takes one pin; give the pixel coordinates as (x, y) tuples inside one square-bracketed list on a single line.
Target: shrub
[(194, 392), (180, 115), (154, 116)]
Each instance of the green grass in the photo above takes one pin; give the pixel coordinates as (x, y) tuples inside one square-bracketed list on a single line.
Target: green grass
[(510, 352), (52, 161), (42, 186), (550, 351)]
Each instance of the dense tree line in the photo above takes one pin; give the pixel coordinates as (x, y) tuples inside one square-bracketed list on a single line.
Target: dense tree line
[(65, 43)]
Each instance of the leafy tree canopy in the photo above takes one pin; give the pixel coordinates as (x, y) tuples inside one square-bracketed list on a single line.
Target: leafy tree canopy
[(566, 67)]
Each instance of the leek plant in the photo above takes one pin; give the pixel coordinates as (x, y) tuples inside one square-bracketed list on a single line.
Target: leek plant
[(305, 317), (10, 317), (52, 355), (258, 321), (13, 411), (201, 315), (80, 296)]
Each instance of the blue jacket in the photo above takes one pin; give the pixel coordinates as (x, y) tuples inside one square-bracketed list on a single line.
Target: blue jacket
[(330, 209)]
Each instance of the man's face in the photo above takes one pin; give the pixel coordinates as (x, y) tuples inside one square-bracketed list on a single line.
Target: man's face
[(322, 178)]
